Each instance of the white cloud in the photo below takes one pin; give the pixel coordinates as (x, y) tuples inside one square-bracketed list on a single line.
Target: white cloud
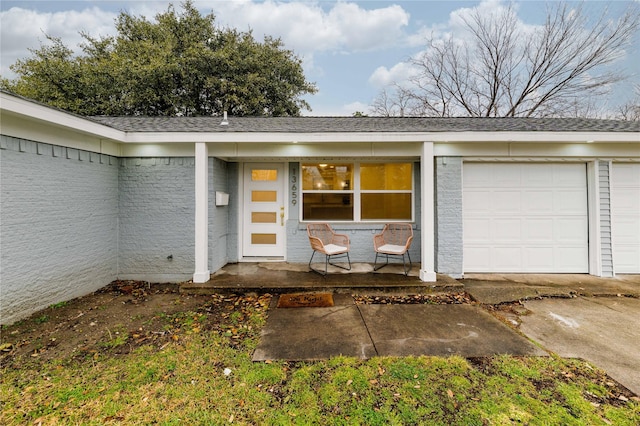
[(23, 29), (454, 29), (306, 27), (384, 76)]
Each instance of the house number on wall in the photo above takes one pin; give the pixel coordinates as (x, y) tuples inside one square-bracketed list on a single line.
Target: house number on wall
[(294, 187)]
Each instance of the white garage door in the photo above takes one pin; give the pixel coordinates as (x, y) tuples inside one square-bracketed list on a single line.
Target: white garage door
[(625, 216), (525, 217)]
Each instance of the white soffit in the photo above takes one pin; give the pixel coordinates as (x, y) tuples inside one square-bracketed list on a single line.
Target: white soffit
[(34, 111)]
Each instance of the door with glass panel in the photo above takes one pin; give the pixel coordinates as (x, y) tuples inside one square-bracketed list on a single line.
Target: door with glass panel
[(263, 229)]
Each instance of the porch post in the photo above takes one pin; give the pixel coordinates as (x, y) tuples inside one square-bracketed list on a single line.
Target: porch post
[(427, 214), (202, 274)]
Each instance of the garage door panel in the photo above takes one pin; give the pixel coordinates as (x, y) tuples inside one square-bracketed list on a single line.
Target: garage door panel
[(481, 257), (569, 259), (504, 229), (537, 202), (507, 259), (565, 175), (505, 202), (627, 259), (538, 259), (506, 177), (625, 217), (537, 215), (477, 201), (570, 230), (627, 202), (540, 230), (478, 229), (631, 228)]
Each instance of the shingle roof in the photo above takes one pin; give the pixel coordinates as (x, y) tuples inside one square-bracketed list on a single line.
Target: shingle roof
[(363, 124)]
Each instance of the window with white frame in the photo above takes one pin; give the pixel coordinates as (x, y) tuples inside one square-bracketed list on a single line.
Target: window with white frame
[(357, 191)]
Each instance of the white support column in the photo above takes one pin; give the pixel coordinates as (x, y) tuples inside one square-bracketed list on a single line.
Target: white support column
[(202, 274), (427, 214)]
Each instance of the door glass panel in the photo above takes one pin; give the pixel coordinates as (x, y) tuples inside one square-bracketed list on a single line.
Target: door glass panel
[(264, 175), (386, 206), (263, 217), (264, 196), (263, 238)]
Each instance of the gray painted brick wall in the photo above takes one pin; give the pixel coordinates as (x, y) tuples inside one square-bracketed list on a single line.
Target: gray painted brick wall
[(233, 170), (604, 195), (157, 210), (218, 215), (448, 192), (58, 227)]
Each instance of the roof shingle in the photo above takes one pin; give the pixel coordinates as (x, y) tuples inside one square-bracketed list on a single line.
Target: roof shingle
[(363, 124)]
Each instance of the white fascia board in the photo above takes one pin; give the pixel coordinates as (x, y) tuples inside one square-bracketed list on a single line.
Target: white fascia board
[(539, 149), (538, 137), (275, 137), (36, 112), (347, 137)]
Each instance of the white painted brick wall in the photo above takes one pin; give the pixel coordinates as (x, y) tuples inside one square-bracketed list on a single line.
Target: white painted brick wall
[(58, 223), (449, 216)]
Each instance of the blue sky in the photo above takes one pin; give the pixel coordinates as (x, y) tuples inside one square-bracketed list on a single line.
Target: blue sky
[(350, 49)]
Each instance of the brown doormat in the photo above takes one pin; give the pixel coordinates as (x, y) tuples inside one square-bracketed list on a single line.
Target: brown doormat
[(305, 300)]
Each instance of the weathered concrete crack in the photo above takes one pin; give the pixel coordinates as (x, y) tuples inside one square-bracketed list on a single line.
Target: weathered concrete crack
[(375, 349)]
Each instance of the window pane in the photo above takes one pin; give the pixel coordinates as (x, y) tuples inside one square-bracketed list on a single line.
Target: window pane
[(258, 175), (327, 177), (389, 176), (327, 206), (386, 206)]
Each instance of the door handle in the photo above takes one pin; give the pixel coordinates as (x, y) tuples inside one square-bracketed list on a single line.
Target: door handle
[(281, 216)]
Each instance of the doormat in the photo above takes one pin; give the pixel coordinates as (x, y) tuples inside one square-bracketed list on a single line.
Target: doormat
[(305, 300)]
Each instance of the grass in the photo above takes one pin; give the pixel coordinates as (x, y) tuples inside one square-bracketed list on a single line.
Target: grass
[(183, 382)]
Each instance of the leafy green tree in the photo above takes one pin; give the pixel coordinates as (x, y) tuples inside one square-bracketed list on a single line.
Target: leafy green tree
[(180, 64)]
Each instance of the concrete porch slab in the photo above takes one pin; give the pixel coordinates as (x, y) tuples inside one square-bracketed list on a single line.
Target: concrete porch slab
[(276, 277)]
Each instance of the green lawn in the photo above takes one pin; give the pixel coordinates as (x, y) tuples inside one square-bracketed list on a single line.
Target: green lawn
[(183, 381)]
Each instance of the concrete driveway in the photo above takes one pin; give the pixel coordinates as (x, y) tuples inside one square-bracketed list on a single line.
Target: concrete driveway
[(602, 330)]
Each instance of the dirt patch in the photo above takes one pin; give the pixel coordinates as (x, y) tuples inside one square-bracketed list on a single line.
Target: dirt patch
[(116, 320)]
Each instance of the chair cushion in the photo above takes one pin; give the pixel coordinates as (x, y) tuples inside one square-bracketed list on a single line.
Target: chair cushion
[(334, 249), (391, 249)]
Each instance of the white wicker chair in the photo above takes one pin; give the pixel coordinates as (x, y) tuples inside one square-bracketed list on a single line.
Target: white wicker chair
[(394, 240), (332, 245)]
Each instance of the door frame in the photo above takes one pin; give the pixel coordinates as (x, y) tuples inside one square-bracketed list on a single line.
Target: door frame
[(242, 226)]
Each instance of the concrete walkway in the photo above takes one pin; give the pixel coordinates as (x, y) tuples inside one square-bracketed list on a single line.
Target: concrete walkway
[(573, 315), (602, 330), (365, 331)]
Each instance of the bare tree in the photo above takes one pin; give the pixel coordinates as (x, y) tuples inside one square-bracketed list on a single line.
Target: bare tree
[(391, 104), (507, 70), (631, 110)]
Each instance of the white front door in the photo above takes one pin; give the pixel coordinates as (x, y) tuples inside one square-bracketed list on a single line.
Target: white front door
[(263, 214)]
